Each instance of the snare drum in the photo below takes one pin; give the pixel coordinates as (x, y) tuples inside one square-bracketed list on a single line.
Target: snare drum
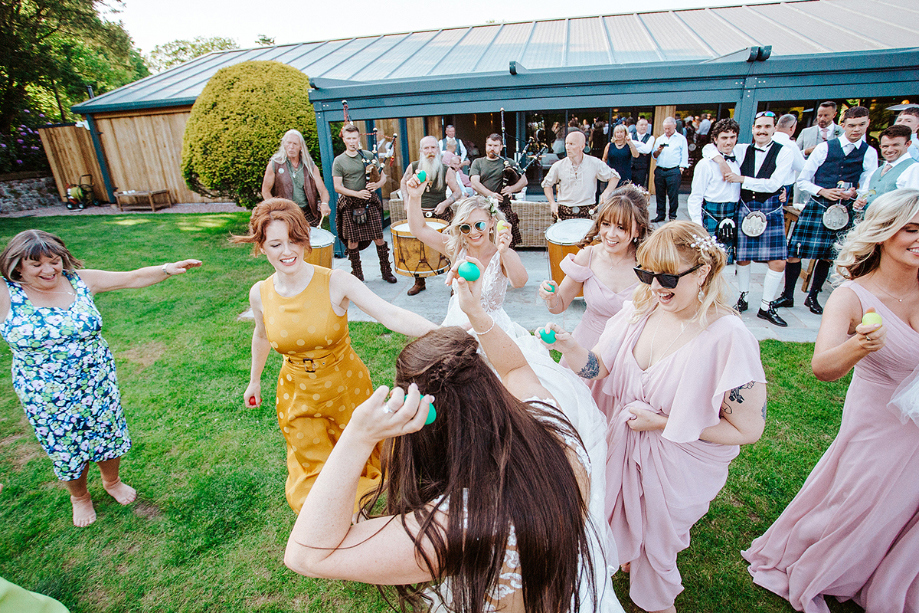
[(322, 242), (562, 238), (412, 257)]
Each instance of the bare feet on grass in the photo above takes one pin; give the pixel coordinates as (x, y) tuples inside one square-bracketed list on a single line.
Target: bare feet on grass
[(122, 492), (83, 512)]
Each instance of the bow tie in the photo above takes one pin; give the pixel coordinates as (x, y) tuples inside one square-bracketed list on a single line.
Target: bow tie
[(761, 150), (730, 158)]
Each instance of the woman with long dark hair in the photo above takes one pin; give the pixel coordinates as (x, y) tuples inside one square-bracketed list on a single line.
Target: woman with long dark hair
[(487, 507)]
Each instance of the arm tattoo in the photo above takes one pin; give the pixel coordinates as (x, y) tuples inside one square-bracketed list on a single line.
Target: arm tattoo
[(726, 409), (765, 404), (592, 368), (736, 396)]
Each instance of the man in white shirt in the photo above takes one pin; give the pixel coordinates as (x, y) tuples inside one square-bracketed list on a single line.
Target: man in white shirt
[(713, 201), (830, 177), (909, 117), (450, 139), (576, 179), (784, 132), (671, 151), (644, 143), (900, 170), (764, 167), (823, 131)]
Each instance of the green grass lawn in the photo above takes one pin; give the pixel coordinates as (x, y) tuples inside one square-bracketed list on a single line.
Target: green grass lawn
[(208, 530)]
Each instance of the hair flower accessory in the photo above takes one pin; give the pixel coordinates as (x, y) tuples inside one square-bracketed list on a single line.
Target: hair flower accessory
[(492, 206), (706, 244)]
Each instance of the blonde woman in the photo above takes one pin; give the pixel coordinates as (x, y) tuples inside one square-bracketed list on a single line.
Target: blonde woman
[(853, 529), (619, 152), (474, 233), (689, 388)]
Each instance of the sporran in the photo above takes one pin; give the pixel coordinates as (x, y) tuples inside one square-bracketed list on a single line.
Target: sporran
[(835, 217), (754, 224)]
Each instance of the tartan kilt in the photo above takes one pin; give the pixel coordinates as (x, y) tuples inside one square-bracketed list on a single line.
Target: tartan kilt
[(312, 220), (567, 212), (363, 234), (811, 239), (771, 244), (712, 214), (514, 220)]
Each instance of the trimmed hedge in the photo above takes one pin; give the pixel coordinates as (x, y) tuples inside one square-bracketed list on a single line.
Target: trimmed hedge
[(236, 125)]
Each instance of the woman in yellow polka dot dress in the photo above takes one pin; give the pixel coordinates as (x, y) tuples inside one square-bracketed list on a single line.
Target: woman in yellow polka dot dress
[(301, 312)]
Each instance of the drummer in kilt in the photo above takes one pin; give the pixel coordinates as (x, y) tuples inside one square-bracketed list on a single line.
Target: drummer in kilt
[(292, 174), (713, 201), (830, 177), (434, 201), (764, 168), (359, 215), (489, 176)]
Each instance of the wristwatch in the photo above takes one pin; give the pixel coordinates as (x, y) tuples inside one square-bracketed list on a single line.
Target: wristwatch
[(165, 270)]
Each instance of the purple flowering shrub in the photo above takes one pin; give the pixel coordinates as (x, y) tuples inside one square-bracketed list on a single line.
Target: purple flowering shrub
[(21, 150)]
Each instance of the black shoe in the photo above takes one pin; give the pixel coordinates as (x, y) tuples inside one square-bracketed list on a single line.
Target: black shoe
[(811, 303), (673, 219), (741, 305), (772, 317), (783, 302), (658, 219)]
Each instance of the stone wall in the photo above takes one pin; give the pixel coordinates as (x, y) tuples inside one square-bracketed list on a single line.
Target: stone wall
[(27, 194)]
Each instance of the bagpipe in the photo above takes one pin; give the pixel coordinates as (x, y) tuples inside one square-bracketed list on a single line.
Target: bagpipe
[(373, 167)]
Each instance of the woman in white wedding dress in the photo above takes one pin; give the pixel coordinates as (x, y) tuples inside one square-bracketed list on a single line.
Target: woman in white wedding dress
[(474, 233)]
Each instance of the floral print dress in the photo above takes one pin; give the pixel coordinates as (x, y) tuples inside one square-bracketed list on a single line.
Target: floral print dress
[(64, 375)]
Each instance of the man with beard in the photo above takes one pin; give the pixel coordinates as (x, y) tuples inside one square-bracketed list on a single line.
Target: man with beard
[(824, 130), (434, 202), (765, 166), (486, 176), (359, 211), (576, 179)]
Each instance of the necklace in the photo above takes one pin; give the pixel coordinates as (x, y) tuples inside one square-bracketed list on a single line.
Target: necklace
[(47, 291), (654, 338), (888, 293)]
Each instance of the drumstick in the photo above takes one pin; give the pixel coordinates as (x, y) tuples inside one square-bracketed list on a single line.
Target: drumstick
[(321, 219)]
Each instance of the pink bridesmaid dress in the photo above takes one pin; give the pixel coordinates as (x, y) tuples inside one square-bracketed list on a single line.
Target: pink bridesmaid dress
[(660, 483), (602, 303), (851, 532)]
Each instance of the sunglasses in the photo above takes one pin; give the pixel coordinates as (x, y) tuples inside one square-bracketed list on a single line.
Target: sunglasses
[(667, 280), (465, 228), (765, 114)]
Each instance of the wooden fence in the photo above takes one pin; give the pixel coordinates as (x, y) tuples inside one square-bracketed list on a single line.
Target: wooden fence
[(70, 153)]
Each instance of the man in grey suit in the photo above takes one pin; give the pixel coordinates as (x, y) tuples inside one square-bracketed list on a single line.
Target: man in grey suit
[(822, 131)]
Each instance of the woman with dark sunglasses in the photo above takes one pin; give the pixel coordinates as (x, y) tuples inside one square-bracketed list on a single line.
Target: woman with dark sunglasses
[(689, 388), (474, 232)]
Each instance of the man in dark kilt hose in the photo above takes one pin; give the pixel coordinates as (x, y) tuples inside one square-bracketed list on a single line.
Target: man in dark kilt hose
[(830, 177), (713, 201), (765, 166), (359, 217), (434, 201), (486, 176)]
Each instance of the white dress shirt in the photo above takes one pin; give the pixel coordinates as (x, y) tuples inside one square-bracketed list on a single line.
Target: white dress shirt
[(818, 157), (783, 165), (708, 184), (676, 153), (577, 186), (914, 148), (798, 162), (643, 148), (460, 147)]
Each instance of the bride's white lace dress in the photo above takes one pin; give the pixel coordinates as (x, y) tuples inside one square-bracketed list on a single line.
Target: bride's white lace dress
[(494, 287)]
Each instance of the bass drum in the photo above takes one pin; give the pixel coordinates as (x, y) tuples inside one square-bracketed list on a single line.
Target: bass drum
[(412, 257), (562, 238)]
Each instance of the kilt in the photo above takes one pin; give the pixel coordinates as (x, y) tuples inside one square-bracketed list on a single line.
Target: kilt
[(712, 214), (811, 239), (312, 220), (514, 220), (567, 212), (771, 244), (363, 234)]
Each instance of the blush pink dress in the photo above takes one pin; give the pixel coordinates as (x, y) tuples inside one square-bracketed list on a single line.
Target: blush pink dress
[(602, 303), (660, 483), (852, 532)]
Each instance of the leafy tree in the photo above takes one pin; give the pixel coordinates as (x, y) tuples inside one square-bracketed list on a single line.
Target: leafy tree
[(264, 40), (59, 47), (236, 124), (177, 52)]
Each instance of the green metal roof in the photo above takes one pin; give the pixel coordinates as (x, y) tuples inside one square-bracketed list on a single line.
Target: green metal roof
[(795, 28)]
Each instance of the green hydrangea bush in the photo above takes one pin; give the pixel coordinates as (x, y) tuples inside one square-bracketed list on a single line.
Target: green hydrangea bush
[(236, 124)]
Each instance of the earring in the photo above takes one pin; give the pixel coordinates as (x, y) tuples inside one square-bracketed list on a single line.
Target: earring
[(701, 295)]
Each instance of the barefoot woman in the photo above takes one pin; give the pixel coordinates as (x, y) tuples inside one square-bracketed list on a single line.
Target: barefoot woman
[(63, 371)]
